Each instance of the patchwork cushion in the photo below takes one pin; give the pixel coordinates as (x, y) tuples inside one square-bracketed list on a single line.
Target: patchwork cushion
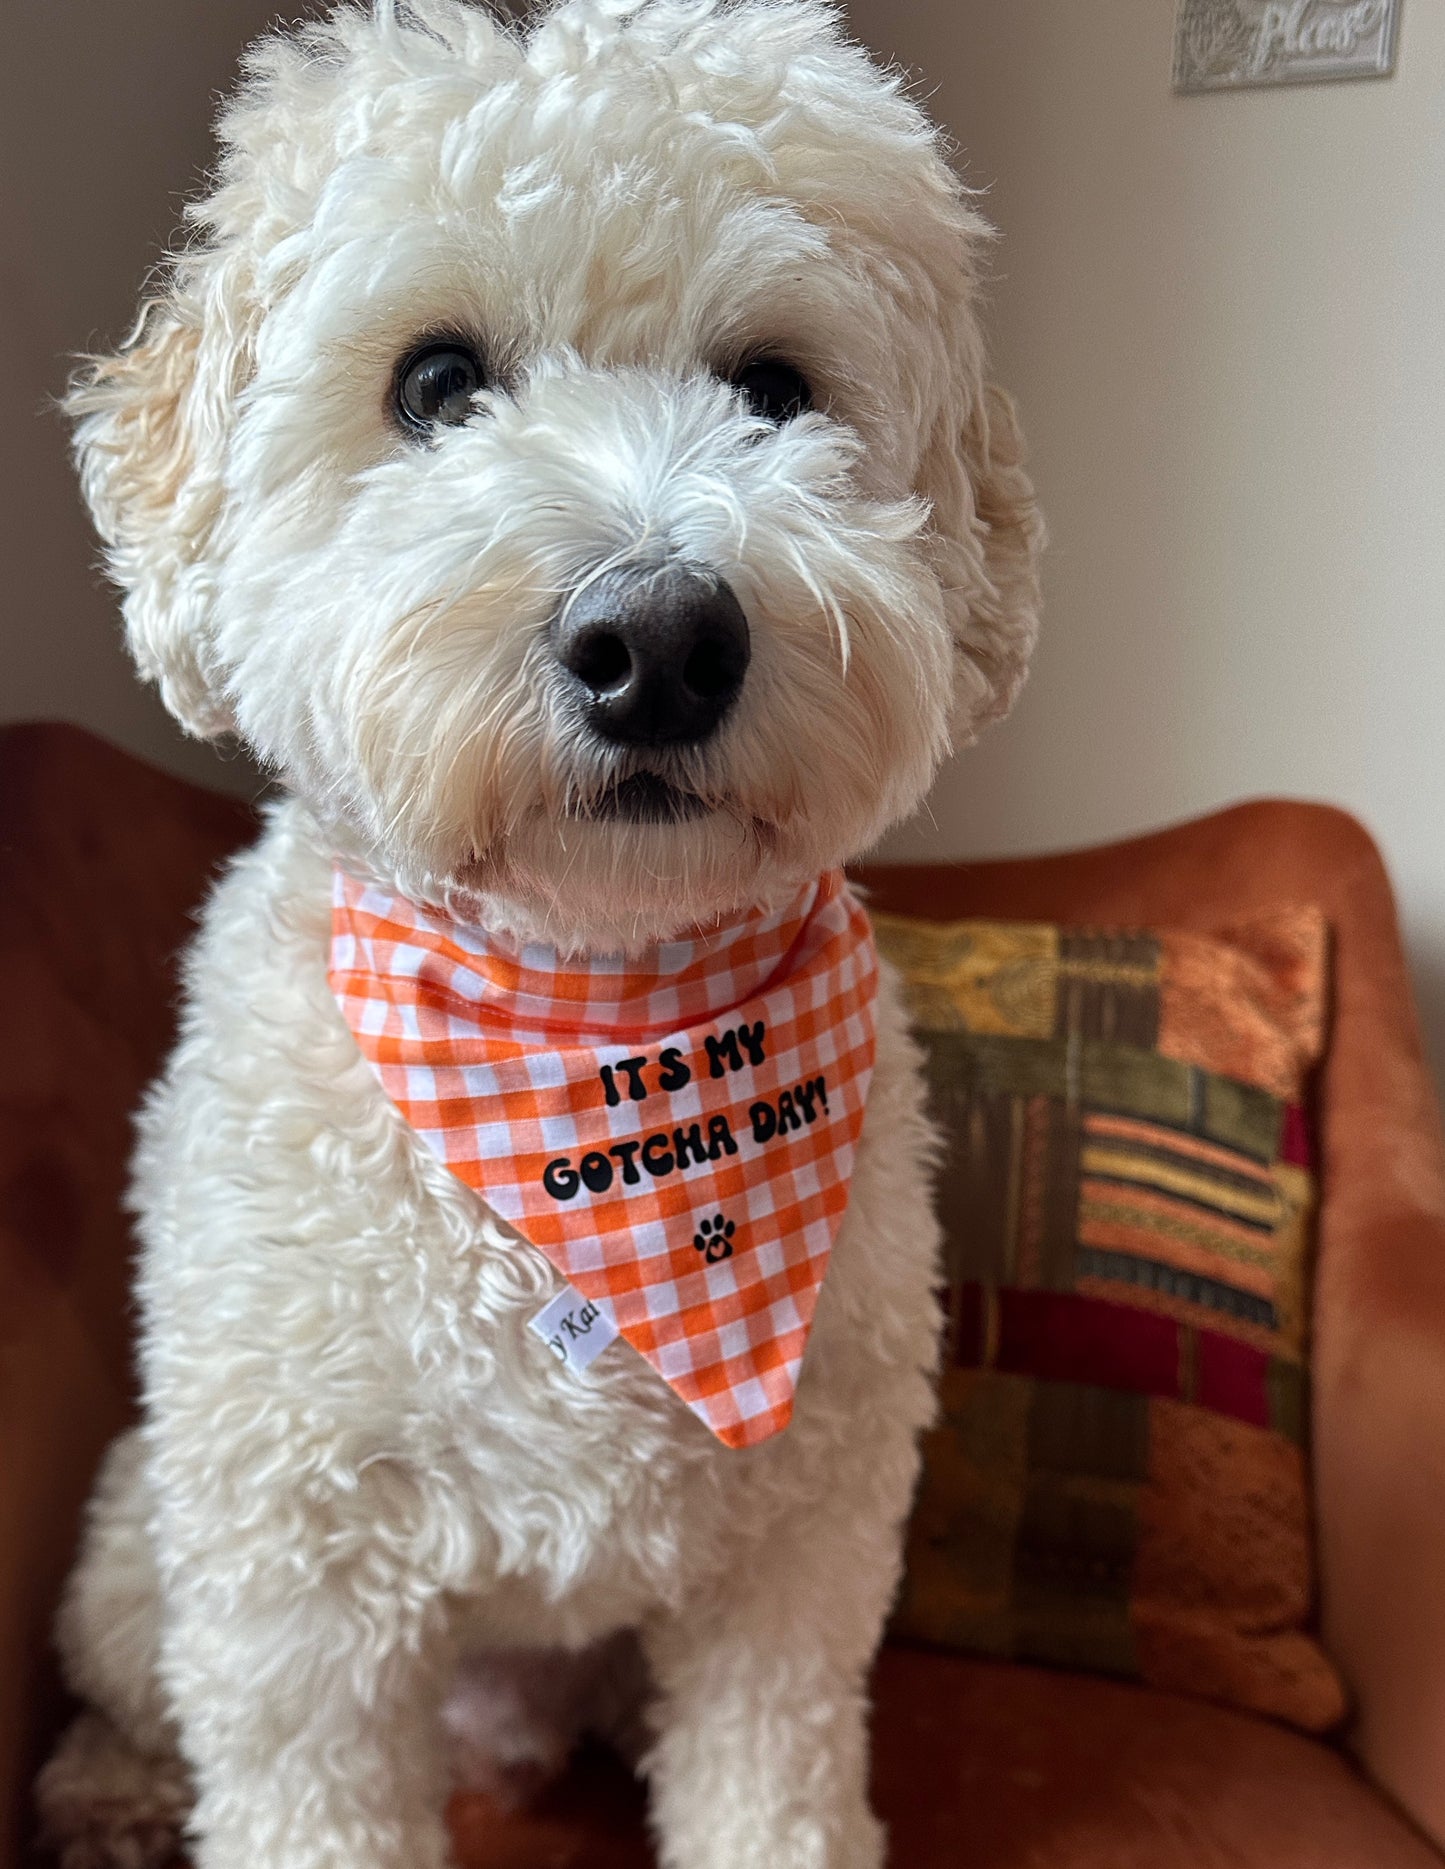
[(1119, 1479)]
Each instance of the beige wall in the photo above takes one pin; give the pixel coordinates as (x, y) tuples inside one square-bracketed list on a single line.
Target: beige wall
[(104, 111), (1225, 319)]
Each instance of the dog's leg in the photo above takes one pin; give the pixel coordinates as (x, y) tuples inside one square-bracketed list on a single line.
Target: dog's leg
[(309, 1749), (108, 1631), (115, 1792), (761, 1755), (305, 1658)]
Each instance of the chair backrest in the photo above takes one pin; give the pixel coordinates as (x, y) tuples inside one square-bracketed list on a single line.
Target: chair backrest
[(103, 861)]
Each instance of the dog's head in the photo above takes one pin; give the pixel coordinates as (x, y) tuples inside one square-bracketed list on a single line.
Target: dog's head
[(565, 455)]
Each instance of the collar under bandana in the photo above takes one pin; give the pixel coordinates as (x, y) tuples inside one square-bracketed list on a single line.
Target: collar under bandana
[(675, 1131)]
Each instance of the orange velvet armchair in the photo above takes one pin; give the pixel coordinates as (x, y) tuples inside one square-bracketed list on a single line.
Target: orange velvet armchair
[(102, 861)]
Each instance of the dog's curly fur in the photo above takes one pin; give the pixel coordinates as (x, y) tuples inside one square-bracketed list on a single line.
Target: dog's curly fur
[(357, 1467)]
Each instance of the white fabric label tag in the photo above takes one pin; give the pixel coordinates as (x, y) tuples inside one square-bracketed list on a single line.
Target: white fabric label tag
[(575, 1329)]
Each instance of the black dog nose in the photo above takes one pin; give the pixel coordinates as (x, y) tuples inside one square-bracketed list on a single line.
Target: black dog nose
[(659, 651)]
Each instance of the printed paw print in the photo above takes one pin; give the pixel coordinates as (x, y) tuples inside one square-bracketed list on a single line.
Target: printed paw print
[(714, 1237)]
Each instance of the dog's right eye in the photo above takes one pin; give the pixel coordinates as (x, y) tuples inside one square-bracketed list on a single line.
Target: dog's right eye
[(773, 389), (436, 384)]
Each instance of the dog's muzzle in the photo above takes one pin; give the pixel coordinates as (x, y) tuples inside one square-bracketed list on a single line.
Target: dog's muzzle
[(659, 653)]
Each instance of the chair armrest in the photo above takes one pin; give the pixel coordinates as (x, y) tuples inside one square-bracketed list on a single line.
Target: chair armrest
[(102, 862), (1379, 1354)]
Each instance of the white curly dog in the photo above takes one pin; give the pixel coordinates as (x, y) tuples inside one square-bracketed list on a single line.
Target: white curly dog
[(673, 296)]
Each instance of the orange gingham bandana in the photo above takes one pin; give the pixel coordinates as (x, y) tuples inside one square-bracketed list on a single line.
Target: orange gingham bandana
[(675, 1132)]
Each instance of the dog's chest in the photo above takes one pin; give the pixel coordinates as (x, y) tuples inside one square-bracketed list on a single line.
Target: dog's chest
[(291, 1205), (594, 1481), (601, 1493)]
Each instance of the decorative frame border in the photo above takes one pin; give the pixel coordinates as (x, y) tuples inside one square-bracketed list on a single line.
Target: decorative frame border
[(1226, 45)]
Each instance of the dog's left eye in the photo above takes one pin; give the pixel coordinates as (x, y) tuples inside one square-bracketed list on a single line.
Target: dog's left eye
[(773, 389), (435, 385)]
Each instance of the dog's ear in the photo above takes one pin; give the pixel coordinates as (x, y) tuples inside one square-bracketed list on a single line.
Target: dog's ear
[(988, 536), (152, 421)]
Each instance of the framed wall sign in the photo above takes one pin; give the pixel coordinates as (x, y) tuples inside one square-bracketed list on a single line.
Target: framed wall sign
[(1221, 45)]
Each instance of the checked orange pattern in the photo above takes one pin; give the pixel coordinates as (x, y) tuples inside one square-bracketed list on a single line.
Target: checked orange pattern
[(675, 1131)]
